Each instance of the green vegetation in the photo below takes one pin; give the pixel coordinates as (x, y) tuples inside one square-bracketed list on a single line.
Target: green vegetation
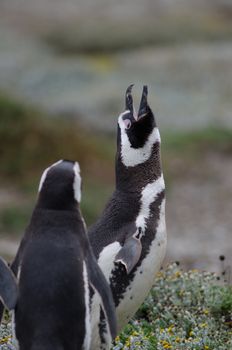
[(185, 310)]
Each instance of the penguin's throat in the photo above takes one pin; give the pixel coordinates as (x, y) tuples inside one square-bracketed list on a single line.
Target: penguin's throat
[(130, 156)]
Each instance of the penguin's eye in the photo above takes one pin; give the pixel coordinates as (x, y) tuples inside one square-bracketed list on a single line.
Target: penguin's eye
[(127, 123)]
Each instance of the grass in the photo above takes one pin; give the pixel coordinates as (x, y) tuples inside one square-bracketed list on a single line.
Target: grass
[(184, 310)]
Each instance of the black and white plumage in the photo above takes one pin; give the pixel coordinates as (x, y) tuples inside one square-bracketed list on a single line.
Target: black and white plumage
[(8, 286), (55, 268), (129, 239)]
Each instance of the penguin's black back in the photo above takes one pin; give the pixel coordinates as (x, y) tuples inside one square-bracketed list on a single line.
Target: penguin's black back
[(50, 313)]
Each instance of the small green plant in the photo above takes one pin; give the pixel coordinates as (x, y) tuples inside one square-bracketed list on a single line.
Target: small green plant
[(185, 310), (220, 302)]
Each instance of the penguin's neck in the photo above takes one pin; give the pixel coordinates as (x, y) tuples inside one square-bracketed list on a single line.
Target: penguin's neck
[(132, 179)]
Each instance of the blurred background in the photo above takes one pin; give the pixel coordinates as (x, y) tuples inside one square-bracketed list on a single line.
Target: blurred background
[(64, 69)]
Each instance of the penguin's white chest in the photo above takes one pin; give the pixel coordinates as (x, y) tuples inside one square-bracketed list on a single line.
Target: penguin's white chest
[(145, 275)]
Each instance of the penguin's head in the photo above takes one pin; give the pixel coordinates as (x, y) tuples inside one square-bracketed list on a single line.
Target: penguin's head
[(60, 186), (138, 134), (136, 126)]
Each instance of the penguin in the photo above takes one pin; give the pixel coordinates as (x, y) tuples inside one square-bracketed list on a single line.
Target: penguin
[(129, 239), (56, 269), (8, 287)]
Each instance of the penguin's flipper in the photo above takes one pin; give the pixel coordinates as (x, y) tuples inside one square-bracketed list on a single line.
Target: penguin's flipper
[(8, 286), (130, 253), (99, 283)]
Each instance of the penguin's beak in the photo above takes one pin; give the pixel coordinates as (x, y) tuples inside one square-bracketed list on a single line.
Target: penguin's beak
[(130, 116), (129, 101), (143, 108)]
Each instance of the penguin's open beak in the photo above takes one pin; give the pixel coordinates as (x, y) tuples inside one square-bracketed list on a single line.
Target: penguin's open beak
[(143, 108), (131, 116), (129, 102)]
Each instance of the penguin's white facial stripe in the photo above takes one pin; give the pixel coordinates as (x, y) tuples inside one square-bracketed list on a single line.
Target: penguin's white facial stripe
[(135, 156), (77, 182), (87, 339), (44, 175), (148, 196)]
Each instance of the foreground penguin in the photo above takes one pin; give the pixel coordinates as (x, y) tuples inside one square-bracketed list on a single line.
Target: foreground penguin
[(129, 239), (55, 267)]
